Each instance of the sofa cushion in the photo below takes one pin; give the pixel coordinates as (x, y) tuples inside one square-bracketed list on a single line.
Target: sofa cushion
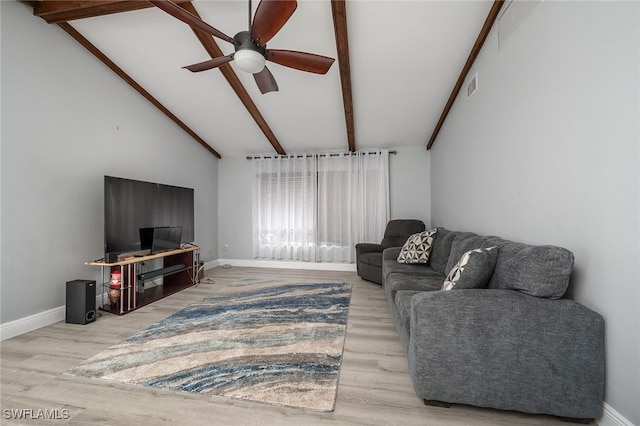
[(473, 270), (441, 248), (542, 271), (428, 281), (417, 247), (390, 265), (462, 243)]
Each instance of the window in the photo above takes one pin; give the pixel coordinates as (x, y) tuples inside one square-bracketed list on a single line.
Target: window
[(317, 207)]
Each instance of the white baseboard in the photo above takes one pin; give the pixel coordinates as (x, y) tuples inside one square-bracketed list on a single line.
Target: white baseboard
[(32, 322), (610, 417), (256, 263), (36, 321)]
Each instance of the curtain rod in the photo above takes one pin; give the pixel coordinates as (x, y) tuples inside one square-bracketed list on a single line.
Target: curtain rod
[(250, 157)]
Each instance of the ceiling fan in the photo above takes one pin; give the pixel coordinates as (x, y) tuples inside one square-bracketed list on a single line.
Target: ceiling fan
[(251, 46)]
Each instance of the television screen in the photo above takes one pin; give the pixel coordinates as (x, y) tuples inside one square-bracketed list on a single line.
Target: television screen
[(146, 238), (130, 205), (166, 238)]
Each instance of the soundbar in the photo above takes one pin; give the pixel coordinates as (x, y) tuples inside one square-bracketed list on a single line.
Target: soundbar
[(169, 270)]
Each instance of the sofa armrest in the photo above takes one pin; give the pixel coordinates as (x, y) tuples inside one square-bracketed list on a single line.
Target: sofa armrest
[(389, 261), (391, 253), (505, 349), (362, 248)]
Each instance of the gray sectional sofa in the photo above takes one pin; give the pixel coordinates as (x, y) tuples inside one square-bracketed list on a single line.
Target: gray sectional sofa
[(519, 344)]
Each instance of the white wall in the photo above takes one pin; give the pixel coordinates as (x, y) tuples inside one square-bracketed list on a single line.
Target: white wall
[(234, 208), (547, 152), (409, 193), (67, 120), (409, 183)]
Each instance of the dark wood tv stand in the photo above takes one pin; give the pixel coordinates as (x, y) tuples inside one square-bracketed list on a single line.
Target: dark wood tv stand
[(180, 271)]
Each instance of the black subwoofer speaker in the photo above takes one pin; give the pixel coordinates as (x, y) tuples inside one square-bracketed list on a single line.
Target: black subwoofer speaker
[(81, 302)]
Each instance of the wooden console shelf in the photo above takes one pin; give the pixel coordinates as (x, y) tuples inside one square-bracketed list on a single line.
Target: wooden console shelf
[(180, 270)]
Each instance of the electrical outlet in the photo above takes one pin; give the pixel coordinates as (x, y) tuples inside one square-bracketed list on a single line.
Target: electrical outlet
[(225, 247)]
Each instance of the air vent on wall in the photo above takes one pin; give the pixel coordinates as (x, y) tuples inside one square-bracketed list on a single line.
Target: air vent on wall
[(472, 85)]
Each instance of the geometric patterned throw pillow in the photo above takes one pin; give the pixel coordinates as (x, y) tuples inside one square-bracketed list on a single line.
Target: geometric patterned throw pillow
[(473, 270), (418, 247)]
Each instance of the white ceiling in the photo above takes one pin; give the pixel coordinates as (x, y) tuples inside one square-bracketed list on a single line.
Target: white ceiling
[(405, 59)]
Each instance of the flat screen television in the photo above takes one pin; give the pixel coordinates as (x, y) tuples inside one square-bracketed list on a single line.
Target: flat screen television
[(130, 205), (146, 238), (166, 238)]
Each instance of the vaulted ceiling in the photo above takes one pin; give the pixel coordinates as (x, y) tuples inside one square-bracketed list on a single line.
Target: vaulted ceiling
[(397, 66)]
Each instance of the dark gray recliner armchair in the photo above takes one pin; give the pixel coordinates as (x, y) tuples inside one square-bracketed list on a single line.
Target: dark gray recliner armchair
[(369, 255)]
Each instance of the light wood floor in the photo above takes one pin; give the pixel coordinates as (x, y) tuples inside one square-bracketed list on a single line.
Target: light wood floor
[(374, 386)]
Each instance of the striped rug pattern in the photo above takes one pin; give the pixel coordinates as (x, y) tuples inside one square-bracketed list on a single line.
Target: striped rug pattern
[(267, 341)]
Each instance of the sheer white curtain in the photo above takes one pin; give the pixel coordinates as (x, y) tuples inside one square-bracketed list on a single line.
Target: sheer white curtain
[(353, 202), (317, 207), (284, 208)]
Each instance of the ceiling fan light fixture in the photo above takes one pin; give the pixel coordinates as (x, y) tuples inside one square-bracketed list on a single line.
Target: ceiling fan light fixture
[(249, 60)]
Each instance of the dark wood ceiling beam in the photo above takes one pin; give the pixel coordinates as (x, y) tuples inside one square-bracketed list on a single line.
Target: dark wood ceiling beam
[(484, 32), (339, 13), (214, 51), (56, 11), (109, 63), (32, 3)]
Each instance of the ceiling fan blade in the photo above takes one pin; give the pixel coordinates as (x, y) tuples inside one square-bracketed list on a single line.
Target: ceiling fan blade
[(265, 81), (270, 16), (186, 17), (302, 61), (210, 64)]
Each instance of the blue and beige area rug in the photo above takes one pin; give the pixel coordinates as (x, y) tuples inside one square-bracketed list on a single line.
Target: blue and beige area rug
[(273, 342)]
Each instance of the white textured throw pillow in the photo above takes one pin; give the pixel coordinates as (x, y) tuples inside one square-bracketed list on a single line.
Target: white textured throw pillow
[(418, 247), (473, 270)]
